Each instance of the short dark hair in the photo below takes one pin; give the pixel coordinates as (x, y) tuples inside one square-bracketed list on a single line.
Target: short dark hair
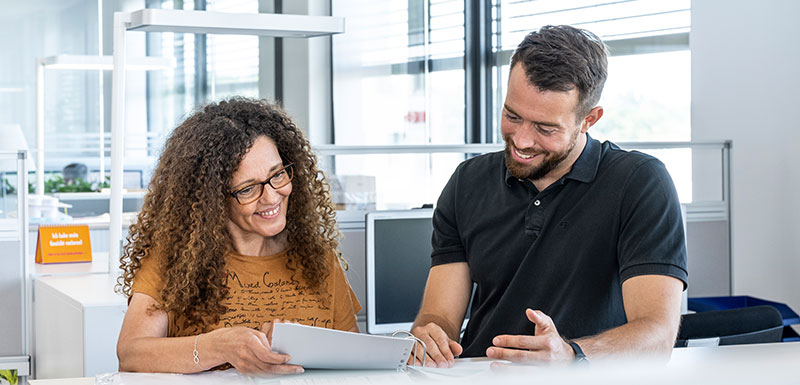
[(560, 58)]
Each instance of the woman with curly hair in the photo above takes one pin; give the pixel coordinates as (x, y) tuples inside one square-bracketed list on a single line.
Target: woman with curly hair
[(237, 232)]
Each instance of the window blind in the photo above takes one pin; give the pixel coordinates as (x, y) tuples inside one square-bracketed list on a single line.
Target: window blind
[(610, 20)]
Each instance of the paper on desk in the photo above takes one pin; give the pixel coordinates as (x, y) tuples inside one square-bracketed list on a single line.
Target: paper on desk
[(473, 369), (462, 368), (320, 348), (343, 377)]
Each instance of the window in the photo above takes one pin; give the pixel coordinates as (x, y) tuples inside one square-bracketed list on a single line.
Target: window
[(72, 98), (647, 92), (399, 72), (207, 68), (398, 78), (232, 59), (647, 98)]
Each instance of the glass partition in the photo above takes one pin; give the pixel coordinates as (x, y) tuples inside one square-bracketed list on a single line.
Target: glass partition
[(16, 315)]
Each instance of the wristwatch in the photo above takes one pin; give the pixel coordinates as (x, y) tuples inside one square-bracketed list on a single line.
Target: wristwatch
[(580, 357)]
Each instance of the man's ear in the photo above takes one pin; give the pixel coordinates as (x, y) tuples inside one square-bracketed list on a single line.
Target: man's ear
[(594, 115)]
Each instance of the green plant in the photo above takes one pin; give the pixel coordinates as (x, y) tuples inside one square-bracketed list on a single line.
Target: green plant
[(105, 184), (56, 184), (9, 375), (8, 187)]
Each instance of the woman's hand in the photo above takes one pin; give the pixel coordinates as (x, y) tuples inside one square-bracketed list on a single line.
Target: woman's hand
[(249, 350), (144, 336), (267, 328)]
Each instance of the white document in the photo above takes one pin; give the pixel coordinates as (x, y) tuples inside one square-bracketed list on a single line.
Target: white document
[(320, 348), (463, 368)]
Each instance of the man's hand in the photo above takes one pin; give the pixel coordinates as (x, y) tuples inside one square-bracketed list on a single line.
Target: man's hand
[(444, 304), (441, 350), (545, 347)]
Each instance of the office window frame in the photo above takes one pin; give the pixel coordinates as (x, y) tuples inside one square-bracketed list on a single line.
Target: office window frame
[(482, 71)]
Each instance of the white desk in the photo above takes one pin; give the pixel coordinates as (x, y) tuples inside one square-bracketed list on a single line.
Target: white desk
[(741, 364), (65, 381)]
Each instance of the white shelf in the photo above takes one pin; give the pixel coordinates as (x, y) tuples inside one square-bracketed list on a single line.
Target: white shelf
[(80, 196), (11, 90), (264, 24), (101, 221), (103, 63), (98, 265), (21, 364), (9, 229)]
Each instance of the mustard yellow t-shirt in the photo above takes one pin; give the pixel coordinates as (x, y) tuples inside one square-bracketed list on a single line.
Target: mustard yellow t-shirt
[(262, 289)]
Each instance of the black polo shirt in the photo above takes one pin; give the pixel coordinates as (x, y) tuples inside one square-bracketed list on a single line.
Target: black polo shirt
[(565, 250)]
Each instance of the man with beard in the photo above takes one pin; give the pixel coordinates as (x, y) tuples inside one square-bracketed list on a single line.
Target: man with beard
[(576, 247)]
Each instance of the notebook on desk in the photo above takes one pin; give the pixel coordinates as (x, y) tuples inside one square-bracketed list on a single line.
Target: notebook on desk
[(320, 348)]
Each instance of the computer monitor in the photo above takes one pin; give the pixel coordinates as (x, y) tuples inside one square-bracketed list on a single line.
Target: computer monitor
[(398, 260)]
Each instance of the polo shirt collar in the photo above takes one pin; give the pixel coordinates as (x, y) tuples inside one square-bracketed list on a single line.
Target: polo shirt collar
[(585, 167)]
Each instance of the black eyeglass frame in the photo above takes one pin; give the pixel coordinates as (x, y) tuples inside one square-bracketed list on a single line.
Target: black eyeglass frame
[(289, 168)]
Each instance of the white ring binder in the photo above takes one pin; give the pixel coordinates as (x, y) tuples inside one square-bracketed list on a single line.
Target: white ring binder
[(417, 341), (321, 348)]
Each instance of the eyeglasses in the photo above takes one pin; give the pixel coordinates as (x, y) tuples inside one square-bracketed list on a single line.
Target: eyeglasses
[(253, 192)]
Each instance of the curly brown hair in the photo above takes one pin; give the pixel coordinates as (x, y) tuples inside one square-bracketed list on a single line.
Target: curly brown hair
[(184, 217)]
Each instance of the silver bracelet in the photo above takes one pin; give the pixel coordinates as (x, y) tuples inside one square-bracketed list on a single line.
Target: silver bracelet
[(196, 355)]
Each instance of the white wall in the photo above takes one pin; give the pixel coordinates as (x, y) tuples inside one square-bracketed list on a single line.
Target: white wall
[(746, 87)]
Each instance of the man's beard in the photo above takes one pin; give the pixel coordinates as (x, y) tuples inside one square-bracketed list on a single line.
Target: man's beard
[(535, 172)]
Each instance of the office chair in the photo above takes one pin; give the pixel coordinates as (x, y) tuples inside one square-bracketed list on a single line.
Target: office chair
[(747, 325)]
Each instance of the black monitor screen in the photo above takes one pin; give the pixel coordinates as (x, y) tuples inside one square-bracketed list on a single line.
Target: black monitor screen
[(399, 252)]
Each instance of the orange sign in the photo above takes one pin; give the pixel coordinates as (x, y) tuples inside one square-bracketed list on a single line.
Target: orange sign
[(63, 243)]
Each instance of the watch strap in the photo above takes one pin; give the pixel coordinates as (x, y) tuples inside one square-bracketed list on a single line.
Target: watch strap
[(580, 356)]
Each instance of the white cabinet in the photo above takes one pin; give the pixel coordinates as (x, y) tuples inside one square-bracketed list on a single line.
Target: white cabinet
[(76, 324)]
